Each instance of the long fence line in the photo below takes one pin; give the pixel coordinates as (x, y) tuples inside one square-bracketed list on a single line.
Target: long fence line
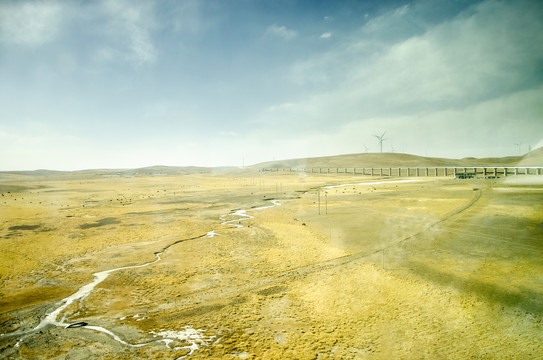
[(456, 171)]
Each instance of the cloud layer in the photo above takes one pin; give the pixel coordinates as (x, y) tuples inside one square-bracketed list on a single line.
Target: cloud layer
[(29, 23), (133, 83), (487, 53)]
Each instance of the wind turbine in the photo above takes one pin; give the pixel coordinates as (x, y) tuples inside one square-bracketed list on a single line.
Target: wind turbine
[(365, 148), (518, 144), (381, 138)]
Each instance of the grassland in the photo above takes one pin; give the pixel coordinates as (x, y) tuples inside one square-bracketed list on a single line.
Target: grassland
[(435, 268)]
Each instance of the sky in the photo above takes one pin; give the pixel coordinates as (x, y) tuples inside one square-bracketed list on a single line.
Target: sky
[(126, 84)]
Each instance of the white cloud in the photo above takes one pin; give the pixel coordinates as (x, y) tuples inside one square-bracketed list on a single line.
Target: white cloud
[(123, 29), (187, 17), (479, 54), (129, 29), (29, 23), (142, 47), (107, 54), (489, 51), (326, 35), (281, 31), (455, 133), (458, 73)]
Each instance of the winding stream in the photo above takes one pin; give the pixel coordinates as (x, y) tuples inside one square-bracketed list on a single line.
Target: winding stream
[(194, 337)]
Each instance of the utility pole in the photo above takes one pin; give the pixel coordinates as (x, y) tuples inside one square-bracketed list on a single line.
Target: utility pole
[(319, 200)]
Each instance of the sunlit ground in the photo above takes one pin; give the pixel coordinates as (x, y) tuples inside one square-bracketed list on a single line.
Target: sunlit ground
[(436, 268)]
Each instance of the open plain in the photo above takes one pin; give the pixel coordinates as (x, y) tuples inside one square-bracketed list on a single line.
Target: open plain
[(243, 264)]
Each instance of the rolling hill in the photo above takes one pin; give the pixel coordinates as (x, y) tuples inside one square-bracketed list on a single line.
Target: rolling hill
[(533, 158)]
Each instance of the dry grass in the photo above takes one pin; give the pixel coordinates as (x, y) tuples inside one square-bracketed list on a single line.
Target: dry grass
[(460, 278)]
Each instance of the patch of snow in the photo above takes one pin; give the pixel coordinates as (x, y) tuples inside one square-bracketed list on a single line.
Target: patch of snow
[(195, 338)]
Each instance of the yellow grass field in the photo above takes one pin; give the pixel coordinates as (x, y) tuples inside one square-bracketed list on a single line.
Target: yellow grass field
[(434, 268)]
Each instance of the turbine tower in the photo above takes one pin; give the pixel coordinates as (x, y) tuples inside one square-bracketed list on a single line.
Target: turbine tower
[(381, 138)]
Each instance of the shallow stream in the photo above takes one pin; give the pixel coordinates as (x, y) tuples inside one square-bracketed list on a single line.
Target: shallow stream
[(193, 337)]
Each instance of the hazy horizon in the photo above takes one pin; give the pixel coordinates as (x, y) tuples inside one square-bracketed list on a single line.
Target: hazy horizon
[(247, 165), (130, 84)]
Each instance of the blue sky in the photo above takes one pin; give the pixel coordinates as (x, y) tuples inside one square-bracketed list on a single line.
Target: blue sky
[(120, 84)]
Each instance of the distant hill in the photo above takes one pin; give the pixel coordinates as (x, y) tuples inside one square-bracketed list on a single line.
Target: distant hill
[(533, 158), (40, 172), (92, 173)]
